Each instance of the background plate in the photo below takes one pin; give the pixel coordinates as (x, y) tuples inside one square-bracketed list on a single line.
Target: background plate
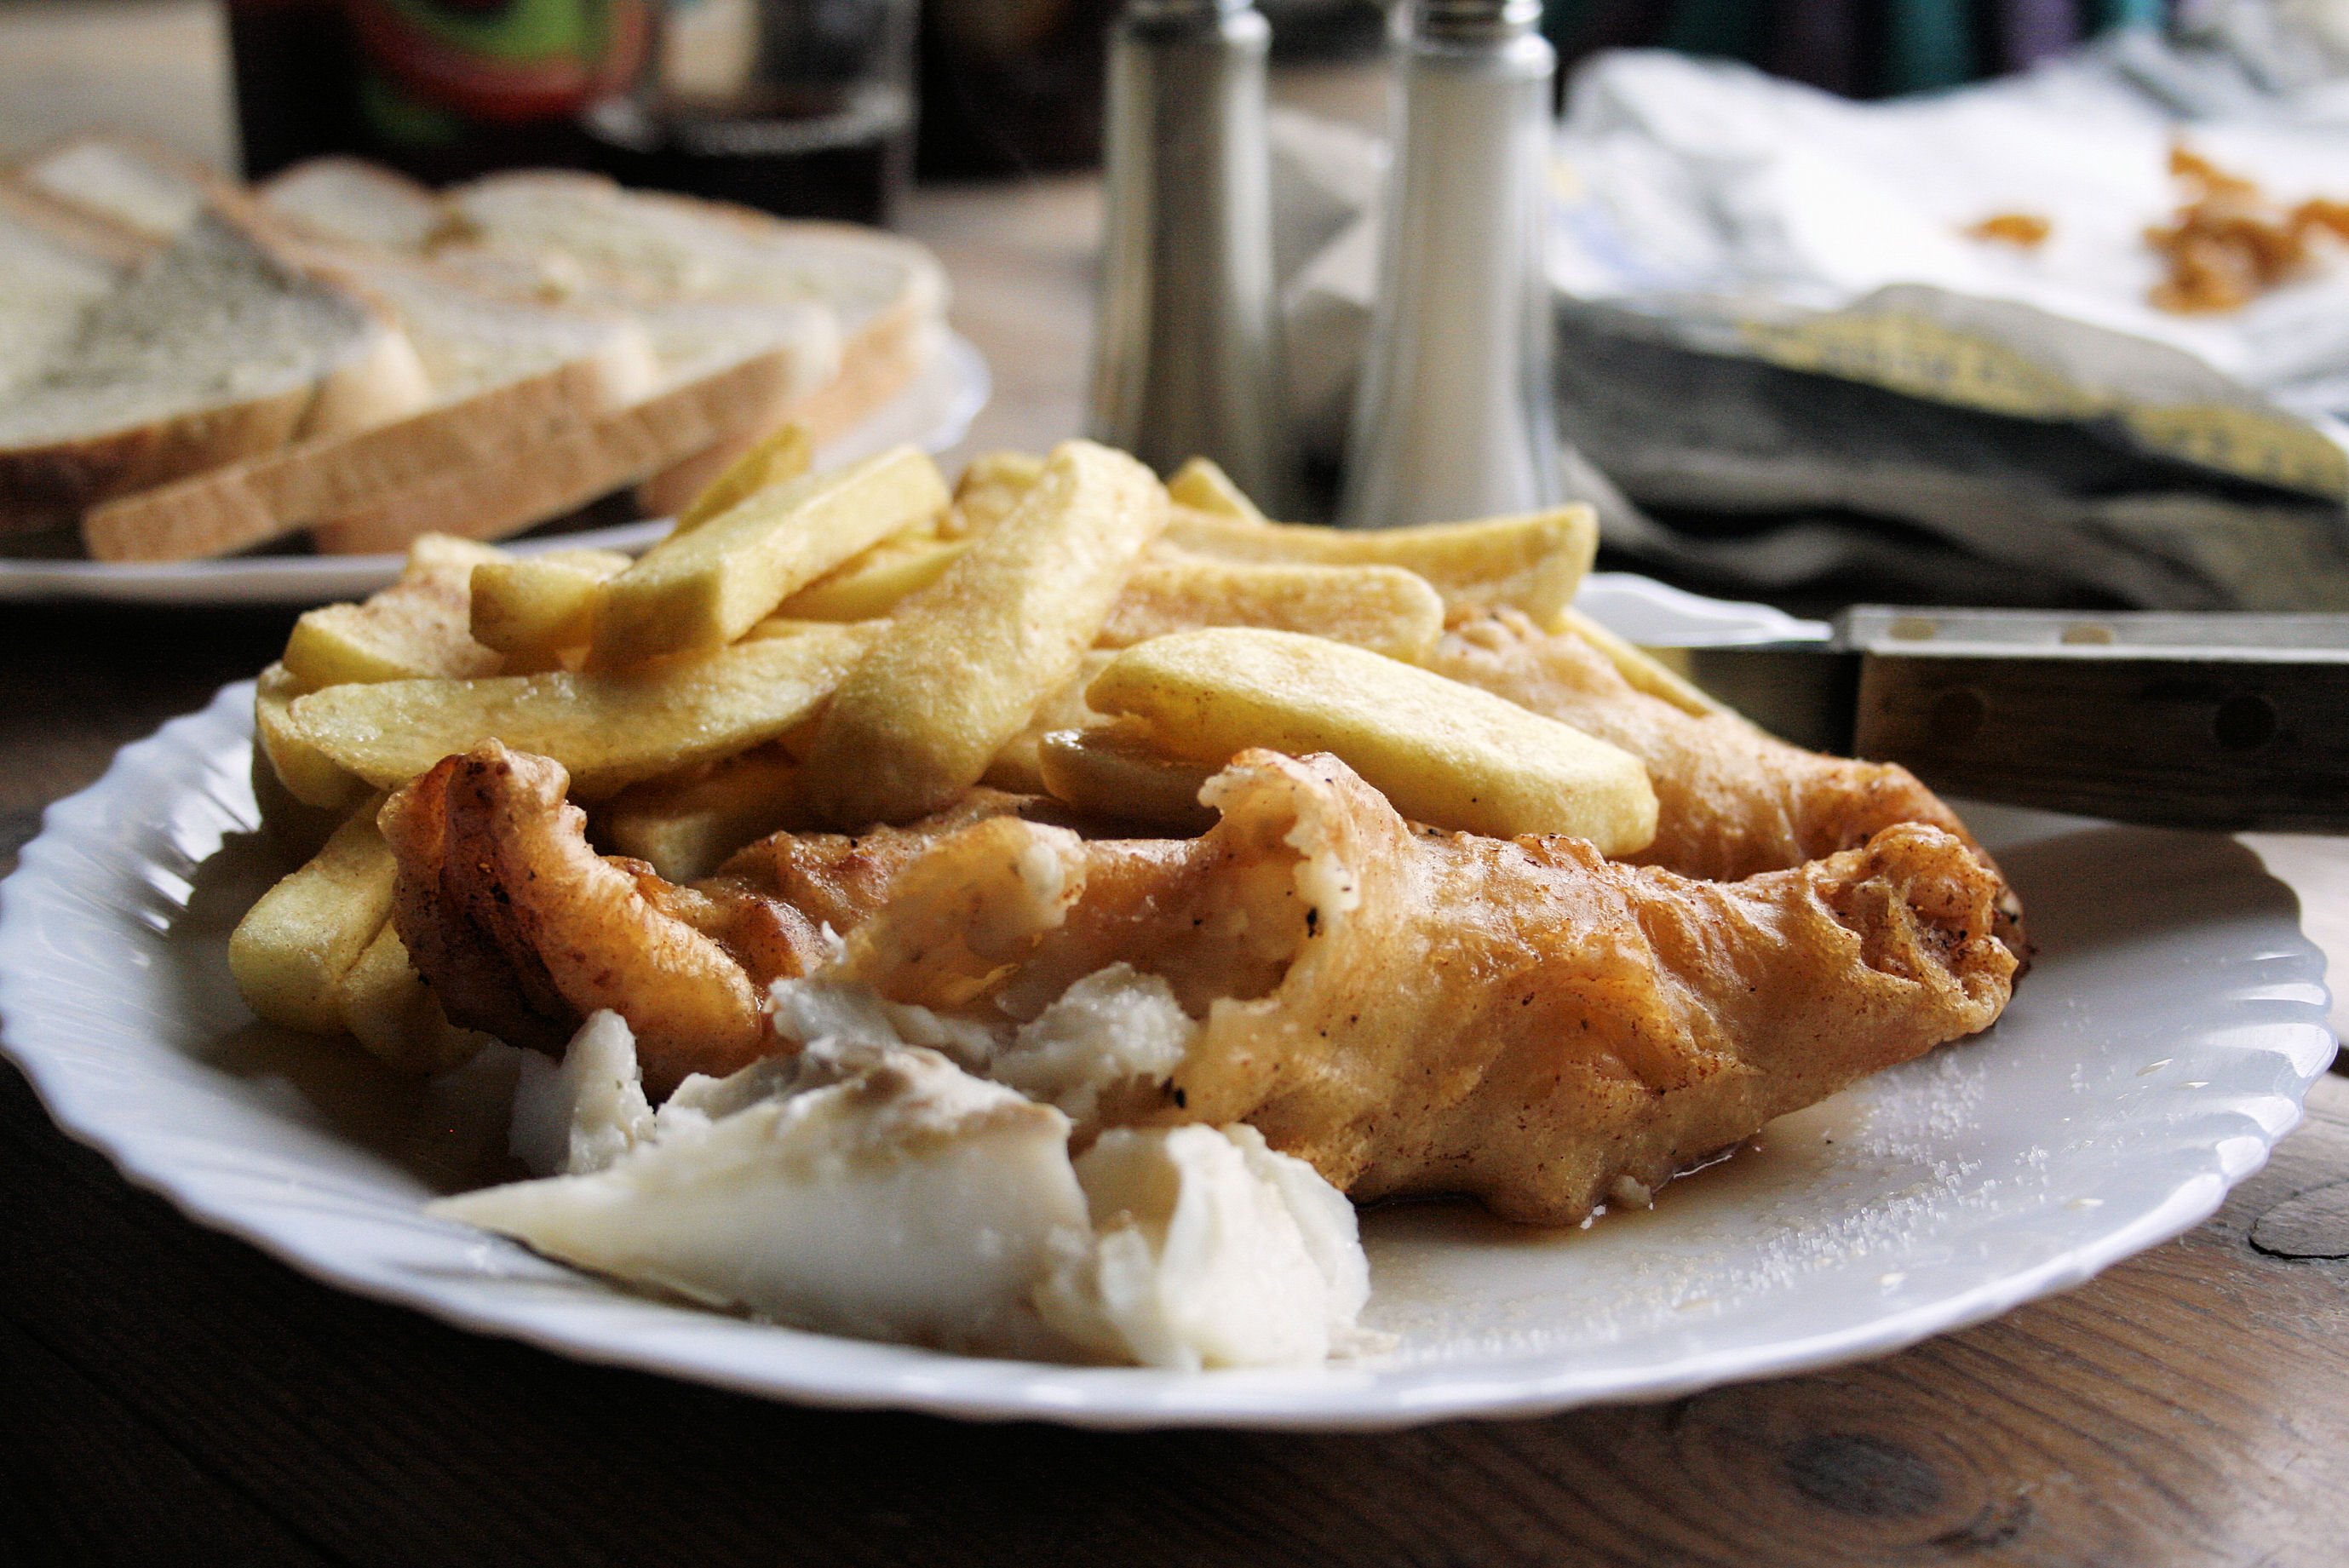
[(932, 413), (2152, 1058)]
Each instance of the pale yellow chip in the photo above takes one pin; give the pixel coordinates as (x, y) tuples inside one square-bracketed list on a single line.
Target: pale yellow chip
[(1444, 753), (536, 605), (686, 826), (990, 490), (698, 591), (1533, 563), (1202, 485), (307, 774), (609, 730), (869, 585), (420, 625), (1382, 608), (779, 456), (389, 1008), (1015, 766), (292, 949), (967, 660), (295, 827)]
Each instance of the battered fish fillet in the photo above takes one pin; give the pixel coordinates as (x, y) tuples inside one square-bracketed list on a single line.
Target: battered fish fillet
[(1411, 1011), (1523, 1021), (1730, 800)]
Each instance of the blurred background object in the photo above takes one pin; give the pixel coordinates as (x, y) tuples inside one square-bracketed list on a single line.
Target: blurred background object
[(443, 89), (1186, 360), (1011, 86), (1858, 49), (801, 106)]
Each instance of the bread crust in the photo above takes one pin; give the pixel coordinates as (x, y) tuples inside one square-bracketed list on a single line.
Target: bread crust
[(363, 458), (493, 498), (373, 377)]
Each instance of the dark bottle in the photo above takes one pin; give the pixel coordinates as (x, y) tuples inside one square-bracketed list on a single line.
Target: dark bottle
[(443, 89), (1012, 86)]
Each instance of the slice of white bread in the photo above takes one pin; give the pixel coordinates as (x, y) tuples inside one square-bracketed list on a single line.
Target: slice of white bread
[(55, 262), (222, 344), (749, 321), (130, 181), (359, 203), (501, 377), (573, 466), (581, 235), (731, 365), (499, 373)]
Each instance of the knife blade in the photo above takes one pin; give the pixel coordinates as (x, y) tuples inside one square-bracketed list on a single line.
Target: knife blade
[(2222, 721)]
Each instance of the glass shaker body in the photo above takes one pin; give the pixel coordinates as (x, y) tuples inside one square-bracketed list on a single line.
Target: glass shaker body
[(1454, 412), (1185, 357)]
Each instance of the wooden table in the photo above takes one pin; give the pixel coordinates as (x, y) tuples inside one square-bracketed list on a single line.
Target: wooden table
[(168, 1394)]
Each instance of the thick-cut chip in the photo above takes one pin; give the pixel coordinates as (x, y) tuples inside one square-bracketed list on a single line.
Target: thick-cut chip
[(418, 626), (698, 591), (1445, 754), (389, 1009), (292, 949), (775, 626), (1016, 767), (1382, 608), (536, 605), (870, 584), (969, 658), (308, 774), (295, 826), (1202, 485), (1114, 770), (1533, 563), (990, 490), (1642, 670), (609, 730), (779, 456), (685, 828)]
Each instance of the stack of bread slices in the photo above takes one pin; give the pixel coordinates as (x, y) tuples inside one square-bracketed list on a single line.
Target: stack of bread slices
[(190, 368)]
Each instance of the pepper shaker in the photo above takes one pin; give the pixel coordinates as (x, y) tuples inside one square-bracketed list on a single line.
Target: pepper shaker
[(1187, 358), (1454, 411)]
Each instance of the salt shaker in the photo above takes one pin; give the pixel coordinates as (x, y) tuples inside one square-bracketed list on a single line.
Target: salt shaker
[(1452, 414), (1186, 360)]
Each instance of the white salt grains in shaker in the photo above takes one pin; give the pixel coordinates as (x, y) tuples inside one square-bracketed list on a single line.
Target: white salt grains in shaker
[(1454, 411)]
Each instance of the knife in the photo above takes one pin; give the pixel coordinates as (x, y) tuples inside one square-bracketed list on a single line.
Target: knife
[(2224, 721)]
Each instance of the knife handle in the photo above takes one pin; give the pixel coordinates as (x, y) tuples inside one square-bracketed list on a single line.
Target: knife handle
[(2211, 745)]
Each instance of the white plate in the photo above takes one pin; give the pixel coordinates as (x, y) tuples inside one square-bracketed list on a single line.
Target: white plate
[(932, 412), (2159, 1049)]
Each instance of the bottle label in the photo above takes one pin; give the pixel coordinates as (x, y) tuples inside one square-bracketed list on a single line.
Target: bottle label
[(434, 67)]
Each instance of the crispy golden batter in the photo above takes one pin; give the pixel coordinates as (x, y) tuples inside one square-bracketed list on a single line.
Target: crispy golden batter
[(837, 879), (521, 929), (1519, 1020), (1413, 1012), (1730, 800)]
